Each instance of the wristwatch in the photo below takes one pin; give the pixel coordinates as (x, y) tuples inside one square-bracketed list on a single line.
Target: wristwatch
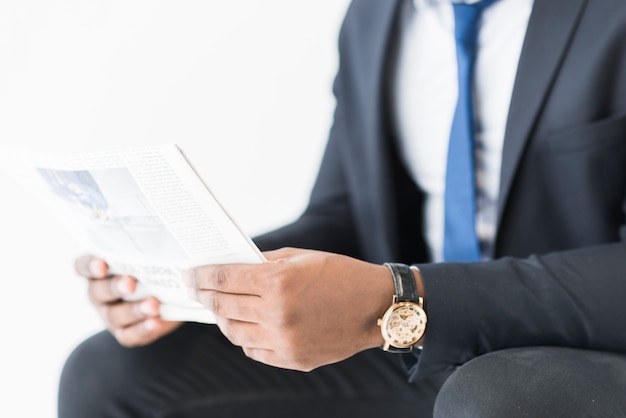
[(403, 324)]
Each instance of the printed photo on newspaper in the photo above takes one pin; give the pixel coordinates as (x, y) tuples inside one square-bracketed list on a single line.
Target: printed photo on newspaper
[(144, 210)]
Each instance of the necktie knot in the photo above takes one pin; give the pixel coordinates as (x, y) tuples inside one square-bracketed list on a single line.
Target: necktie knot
[(466, 18)]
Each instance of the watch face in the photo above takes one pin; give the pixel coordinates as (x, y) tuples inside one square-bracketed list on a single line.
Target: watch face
[(403, 324)]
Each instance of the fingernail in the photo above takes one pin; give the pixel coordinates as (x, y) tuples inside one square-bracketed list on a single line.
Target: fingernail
[(148, 308), (97, 268), (150, 324), (124, 286)]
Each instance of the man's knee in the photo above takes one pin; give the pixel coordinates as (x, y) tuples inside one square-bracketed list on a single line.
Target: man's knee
[(87, 378), (537, 382)]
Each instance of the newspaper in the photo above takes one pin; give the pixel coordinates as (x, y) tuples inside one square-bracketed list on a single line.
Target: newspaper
[(144, 210)]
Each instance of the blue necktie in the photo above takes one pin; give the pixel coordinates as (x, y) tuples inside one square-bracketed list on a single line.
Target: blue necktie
[(460, 239)]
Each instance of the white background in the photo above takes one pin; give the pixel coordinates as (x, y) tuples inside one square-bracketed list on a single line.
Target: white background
[(243, 86)]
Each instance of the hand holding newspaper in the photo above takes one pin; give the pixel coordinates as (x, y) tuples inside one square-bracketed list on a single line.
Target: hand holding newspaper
[(145, 211)]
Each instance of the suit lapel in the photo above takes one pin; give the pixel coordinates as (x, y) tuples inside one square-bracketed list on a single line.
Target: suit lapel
[(378, 54), (550, 29)]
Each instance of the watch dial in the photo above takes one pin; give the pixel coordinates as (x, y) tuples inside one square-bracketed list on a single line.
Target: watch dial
[(405, 325)]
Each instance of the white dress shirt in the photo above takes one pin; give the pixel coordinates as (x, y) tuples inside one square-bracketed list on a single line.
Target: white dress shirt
[(425, 93)]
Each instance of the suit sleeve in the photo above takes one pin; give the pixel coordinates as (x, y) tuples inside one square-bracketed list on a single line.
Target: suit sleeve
[(570, 298)]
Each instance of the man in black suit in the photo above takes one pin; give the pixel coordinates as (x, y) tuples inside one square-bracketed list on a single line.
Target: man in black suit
[(533, 328)]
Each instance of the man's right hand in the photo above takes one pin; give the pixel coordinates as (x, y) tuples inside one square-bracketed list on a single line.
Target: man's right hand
[(133, 323)]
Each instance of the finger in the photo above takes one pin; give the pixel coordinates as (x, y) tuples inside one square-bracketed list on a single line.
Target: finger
[(228, 278), (264, 356), (245, 334), (274, 358), (111, 289), (125, 314), (231, 306), (282, 253), (90, 266), (144, 332)]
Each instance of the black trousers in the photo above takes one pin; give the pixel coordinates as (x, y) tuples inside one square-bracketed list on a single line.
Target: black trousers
[(196, 372), (537, 382)]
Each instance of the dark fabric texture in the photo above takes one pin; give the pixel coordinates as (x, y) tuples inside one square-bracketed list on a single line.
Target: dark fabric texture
[(559, 266), (196, 372), (538, 382), (558, 275)]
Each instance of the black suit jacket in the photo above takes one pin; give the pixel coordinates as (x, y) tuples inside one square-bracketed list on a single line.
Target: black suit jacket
[(559, 270)]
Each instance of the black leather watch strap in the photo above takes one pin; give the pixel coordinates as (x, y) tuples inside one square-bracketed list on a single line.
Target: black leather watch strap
[(405, 291), (403, 282)]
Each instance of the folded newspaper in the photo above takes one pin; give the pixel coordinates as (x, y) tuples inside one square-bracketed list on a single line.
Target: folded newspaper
[(144, 210)]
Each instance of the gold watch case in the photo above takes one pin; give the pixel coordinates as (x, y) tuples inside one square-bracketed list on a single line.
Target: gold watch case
[(403, 325)]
